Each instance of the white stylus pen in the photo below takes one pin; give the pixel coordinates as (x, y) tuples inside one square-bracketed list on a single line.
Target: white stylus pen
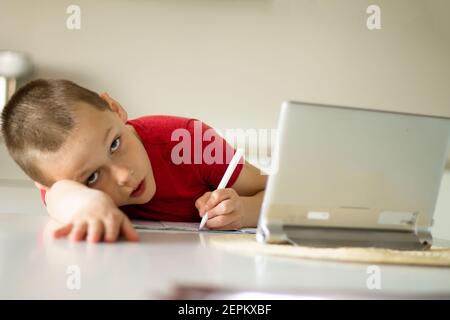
[(226, 177)]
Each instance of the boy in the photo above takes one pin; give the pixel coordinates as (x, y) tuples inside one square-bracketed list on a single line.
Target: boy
[(96, 169)]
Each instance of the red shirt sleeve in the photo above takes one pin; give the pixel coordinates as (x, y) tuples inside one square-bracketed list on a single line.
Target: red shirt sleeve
[(213, 165), (43, 196)]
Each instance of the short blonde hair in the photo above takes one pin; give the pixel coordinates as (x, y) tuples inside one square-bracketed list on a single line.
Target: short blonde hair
[(39, 117)]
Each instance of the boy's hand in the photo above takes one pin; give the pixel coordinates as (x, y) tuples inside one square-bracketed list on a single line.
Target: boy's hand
[(224, 207), (89, 214), (95, 227)]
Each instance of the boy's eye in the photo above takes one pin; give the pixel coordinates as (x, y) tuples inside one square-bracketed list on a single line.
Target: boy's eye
[(92, 178), (115, 144)]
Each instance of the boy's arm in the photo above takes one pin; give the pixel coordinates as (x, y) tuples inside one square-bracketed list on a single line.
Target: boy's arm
[(250, 186), (65, 197), (250, 181), (86, 213), (236, 207)]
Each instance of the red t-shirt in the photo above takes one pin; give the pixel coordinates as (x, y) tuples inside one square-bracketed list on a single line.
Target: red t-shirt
[(177, 185)]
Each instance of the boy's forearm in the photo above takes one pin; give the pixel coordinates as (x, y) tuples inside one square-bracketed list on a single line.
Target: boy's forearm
[(252, 208), (57, 206)]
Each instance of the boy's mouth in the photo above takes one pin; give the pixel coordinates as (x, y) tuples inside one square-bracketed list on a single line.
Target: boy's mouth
[(139, 189)]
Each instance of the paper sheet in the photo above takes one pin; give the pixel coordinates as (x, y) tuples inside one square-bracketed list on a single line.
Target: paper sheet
[(182, 226)]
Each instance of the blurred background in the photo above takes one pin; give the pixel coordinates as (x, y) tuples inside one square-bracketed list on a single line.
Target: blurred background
[(231, 63)]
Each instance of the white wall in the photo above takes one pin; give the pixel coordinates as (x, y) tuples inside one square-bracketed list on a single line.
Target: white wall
[(232, 62)]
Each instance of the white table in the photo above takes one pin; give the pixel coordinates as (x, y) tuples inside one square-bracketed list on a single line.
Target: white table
[(33, 266)]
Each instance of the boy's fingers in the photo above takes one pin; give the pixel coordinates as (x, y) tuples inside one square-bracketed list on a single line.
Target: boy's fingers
[(128, 231), (200, 203), (218, 196), (112, 228), (231, 226), (222, 222), (63, 231), (78, 232), (95, 231), (224, 207)]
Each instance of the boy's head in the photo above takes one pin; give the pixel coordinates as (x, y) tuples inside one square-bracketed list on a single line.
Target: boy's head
[(55, 129)]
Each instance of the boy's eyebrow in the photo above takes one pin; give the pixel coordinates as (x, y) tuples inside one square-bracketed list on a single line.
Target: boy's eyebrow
[(82, 174), (107, 134)]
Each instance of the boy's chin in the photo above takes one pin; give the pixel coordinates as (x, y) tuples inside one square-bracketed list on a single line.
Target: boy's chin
[(136, 201), (140, 200)]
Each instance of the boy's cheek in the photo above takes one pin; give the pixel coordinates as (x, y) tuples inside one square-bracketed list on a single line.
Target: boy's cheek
[(117, 199)]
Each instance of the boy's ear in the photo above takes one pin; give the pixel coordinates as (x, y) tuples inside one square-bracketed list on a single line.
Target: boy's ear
[(115, 107), (40, 186)]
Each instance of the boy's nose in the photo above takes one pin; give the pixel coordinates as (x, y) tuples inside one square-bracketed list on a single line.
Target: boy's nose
[(122, 176)]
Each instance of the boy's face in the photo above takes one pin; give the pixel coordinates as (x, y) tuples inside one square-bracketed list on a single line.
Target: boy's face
[(104, 153)]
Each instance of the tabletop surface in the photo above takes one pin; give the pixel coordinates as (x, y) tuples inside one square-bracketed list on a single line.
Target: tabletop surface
[(35, 266)]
